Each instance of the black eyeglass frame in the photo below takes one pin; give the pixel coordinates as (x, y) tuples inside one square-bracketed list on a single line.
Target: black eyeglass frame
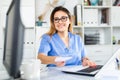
[(63, 19)]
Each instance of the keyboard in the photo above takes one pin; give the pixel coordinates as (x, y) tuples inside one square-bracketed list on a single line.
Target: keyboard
[(91, 69)]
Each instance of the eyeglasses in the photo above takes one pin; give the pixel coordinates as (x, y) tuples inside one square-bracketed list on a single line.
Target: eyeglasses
[(63, 19)]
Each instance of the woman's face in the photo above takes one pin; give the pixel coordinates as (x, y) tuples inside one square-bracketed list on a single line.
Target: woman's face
[(61, 21)]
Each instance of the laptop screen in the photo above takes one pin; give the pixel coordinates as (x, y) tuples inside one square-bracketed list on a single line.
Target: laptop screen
[(110, 64)]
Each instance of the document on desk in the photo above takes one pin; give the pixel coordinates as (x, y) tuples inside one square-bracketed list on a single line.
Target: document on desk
[(59, 59)]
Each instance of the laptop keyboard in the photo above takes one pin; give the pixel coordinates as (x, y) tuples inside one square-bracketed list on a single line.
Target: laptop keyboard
[(91, 69)]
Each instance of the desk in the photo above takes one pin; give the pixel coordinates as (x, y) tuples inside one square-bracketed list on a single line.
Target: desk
[(53, 73)]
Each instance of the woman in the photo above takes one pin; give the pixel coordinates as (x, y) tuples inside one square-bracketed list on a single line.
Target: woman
[(61, 42)]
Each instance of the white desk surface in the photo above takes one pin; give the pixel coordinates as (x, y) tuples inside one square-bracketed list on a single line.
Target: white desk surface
[(55, 73), (52, 73)]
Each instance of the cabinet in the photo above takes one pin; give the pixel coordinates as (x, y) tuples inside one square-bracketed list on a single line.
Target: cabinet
[(100, 29), (98, 25)]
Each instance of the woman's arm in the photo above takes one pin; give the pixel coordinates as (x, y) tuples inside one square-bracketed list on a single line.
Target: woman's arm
[(46, 59), (49, 60)]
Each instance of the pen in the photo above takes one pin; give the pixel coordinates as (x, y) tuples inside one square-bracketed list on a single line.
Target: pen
[(117, 61)]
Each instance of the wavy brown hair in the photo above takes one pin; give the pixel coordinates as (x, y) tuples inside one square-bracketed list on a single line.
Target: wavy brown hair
[(52, 26)]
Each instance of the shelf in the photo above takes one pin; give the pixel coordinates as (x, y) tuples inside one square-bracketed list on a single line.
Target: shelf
[(77, 26), (116, 26), (42, 27), (103, 26), (103, 35), (96, 7), (116, 32)]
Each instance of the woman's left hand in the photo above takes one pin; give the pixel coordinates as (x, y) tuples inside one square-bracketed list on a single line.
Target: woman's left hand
[(87, 62)]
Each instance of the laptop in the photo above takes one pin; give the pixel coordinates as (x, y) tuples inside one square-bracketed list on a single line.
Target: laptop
[(88, 71), (97, 72)]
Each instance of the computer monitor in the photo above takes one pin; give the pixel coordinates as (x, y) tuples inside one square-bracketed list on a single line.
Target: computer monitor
[(14, 40)]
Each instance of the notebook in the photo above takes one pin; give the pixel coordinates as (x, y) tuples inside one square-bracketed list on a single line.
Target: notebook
[(96, 73)]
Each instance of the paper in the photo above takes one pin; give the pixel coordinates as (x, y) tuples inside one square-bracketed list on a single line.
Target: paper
[(59, 59)]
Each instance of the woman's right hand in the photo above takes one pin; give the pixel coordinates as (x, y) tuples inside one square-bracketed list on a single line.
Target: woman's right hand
[(50, 60)]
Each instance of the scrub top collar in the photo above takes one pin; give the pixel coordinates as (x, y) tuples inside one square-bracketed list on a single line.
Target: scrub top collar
[(62, 43)]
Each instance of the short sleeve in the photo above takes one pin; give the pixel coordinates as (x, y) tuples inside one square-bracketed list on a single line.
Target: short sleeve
[(44, 45)]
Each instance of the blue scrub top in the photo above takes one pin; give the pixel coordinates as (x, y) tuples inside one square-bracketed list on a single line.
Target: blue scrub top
[(54, 46)]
